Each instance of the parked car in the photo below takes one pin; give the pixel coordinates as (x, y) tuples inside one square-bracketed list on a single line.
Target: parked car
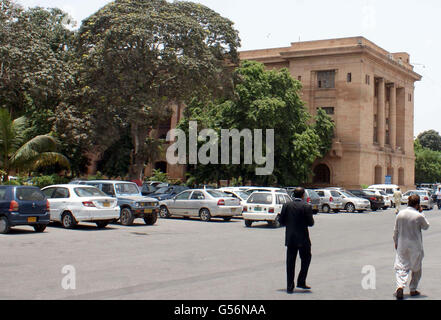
[(376, 201), (203, 203), (168, 192), (241, 195), (311, 197), (386, 198), (71, 204), (330, 200), (426, 200), (352, 203), (130, 200), (264, 206), (389, 189), (23, 206)]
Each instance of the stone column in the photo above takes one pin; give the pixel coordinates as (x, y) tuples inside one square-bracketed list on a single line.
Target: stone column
[(381, 112), (393, 117)]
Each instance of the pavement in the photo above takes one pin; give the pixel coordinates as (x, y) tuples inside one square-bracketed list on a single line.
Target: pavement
[(181, 259)]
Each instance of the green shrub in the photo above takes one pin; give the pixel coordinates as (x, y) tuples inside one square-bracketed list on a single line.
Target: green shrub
[(44, 181)]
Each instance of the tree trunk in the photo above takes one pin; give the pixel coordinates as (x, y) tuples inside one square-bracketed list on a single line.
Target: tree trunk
[(94, 156), (139, 153)]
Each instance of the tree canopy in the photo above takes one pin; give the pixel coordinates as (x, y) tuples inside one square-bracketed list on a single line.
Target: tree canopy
[(430, 139), (264, 100)]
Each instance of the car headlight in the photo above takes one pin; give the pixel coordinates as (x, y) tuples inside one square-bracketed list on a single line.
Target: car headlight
[(137, 205)]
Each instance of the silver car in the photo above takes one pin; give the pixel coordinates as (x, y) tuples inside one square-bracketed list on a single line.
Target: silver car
[(426, 200), (330, 200), (203, 203), (352, 203)]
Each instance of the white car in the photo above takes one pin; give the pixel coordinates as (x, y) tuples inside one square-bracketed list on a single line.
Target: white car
[(389, 189), (70, 204), (264, 206)]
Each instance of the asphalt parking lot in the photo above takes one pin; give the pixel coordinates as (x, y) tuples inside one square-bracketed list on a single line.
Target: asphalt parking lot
[(190, 259)]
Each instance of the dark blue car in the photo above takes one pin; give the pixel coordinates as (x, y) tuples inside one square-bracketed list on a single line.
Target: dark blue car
[(23, 206)]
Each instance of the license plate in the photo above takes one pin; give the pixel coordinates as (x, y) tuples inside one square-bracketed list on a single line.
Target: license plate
[(32, 219), (106, 204), (257, 209), (315, 207), (233, 210), (148, 210)]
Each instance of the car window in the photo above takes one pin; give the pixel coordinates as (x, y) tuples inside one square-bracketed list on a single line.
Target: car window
[(197, 195), (216, 194), (61, 193), (288, 199), (280, 199), (320, 193), (335, 194), (389, 191), (3, 194), (48, 192), (183, 196), (162, 190), (261, 198), (312, 194), (89, 192), (126, 188), (107, 188), (28, 194)]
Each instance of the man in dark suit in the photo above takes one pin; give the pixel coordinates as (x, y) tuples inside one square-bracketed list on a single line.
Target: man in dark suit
[(297, 217)]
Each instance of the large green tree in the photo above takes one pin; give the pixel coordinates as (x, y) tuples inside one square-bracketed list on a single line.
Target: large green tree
[(34, 62), (264, 100), (427, 164), (137, 57), (430, 139)]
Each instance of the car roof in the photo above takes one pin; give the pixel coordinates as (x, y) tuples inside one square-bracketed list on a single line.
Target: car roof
[(110, 181), (71, 185)]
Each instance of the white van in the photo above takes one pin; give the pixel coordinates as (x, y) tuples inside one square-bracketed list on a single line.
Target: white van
[(389, 189)]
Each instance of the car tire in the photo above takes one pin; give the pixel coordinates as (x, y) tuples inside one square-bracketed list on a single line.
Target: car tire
[(276, 222), (68, 221), (126, 217), (350, 207), (163, 212), (151, 219), (101, 224), (326, 208), (248, 223), (40, 228), (4, 225), (205, 215), (227, 219)]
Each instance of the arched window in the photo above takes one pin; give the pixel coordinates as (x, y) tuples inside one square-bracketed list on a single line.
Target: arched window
[(322, 174)]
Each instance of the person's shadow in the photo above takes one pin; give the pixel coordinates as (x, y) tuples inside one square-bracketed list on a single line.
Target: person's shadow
[(296, 291)]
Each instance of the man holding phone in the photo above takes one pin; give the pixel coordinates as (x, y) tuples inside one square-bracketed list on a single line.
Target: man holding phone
[(408, 241)]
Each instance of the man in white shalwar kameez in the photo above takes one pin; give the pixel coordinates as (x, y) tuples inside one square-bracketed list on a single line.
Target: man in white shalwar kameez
[(409, 245)]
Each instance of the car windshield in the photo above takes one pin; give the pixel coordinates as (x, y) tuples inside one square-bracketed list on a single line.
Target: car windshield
[(217, 194), (162, 190), (127, 188), (347, 194), (29, 194), (243, 195), (261, 198), (369, 193), (89, 192)]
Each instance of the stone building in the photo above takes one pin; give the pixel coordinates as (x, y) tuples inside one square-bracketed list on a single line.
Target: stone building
[(368, 92)]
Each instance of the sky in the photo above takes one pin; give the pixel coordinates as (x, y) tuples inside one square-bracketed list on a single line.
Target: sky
[(395, 25)]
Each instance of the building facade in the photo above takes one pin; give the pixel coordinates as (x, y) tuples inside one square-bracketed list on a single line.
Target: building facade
[(369, 94)]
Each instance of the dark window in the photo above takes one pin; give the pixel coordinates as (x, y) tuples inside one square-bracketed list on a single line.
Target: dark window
[(349, 77), (410, 97), (28, 194), (197, 195), (48, 192), (61, 193), (368, 79), (299, 78), (183, 195), (3, 194), (108, 189), (328, 110), (326, 79), (322, 174)]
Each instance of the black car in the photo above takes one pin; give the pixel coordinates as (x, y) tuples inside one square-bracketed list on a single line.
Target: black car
[(23, 206), (377, 202), (150, 188), (169, 192)]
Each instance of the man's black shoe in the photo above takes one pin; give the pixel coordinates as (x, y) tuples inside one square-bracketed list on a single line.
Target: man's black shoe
[(399, 294), (290, 290), (304, 287)]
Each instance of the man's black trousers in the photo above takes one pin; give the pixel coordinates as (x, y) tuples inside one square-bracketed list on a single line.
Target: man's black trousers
[(305, 257)]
